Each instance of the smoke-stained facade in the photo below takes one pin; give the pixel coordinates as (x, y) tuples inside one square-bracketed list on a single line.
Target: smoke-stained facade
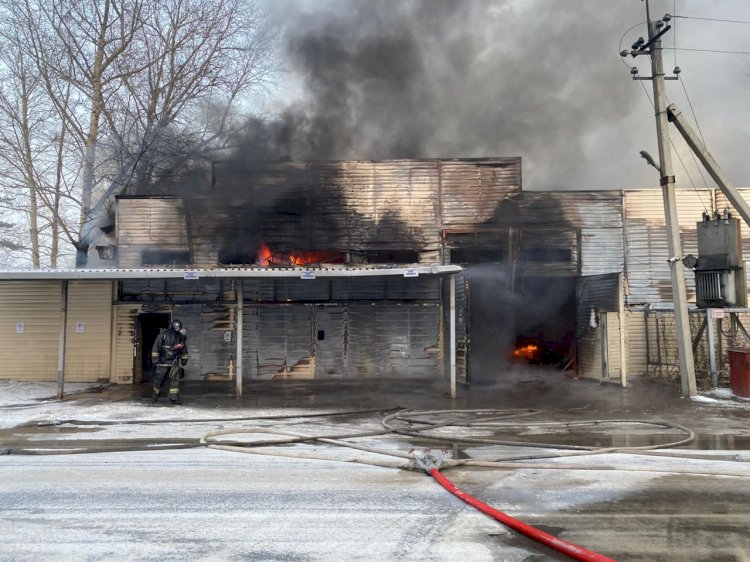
[(584, 275)]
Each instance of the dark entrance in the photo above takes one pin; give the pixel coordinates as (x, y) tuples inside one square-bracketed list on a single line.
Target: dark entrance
[(147, 327), (534, 313), (545, 321)]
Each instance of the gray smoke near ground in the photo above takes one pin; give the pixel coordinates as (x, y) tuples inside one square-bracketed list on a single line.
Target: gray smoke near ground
[(540, 79)]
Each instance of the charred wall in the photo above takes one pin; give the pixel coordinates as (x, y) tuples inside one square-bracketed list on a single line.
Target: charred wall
[(363, 209)]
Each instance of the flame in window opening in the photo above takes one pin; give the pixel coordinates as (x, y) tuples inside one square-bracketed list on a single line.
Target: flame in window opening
[(268, 258), (264, 255)]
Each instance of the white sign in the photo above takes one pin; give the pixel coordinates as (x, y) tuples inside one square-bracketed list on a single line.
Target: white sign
[(308, 275), (191, 275), (20, 328), (227, 336), (411, 272), (717, 313), (79, 327)]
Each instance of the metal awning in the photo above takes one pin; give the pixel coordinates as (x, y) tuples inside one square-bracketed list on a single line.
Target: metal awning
[(65, 275), (233, 273)]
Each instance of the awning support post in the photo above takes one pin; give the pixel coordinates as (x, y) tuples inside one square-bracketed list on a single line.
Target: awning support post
[(238, 359), (453, 334), (63, 331)]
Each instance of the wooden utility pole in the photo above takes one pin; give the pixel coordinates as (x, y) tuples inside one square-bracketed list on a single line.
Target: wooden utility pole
[(679, 293)]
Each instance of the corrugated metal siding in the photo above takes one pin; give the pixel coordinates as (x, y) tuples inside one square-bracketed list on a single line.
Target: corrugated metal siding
[(362, 339), (637, 364), (331, 340), (89, 325), (407, 340), (471, 190), (176, 290), (289, 289), (339, 289), (217, 340), (32, 354), (366, 288), (572, 209), (383, 339), (147, 224), (646, 253), (124, 351), (349, 206), (596, 294), (601, 251), (542, 240), (277, 341), (210, 337), (395, 203), (614, 362)]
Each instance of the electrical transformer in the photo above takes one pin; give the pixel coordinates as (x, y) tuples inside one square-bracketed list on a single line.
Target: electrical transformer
[(720, 270)]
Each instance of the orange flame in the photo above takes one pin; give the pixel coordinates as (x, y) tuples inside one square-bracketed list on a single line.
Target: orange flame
[(527, 352), (296, 257), (264, 255)]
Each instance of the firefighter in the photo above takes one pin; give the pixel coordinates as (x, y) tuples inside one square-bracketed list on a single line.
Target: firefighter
[(169, 355)]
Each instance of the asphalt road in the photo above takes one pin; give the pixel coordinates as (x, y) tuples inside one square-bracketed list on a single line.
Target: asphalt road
[(204, 504), (207, 504)]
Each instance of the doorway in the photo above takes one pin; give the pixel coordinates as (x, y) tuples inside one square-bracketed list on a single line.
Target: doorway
[(147, 328), (533, 323)]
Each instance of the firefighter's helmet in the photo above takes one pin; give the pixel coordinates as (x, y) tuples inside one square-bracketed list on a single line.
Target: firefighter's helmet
[(177, 326)]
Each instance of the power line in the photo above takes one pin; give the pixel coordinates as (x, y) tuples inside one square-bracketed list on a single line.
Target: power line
[(677, 153), (707, 50), (684, 89), (709, 19)]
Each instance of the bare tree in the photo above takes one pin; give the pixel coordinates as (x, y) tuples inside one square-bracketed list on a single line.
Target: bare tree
[(36, 185), (131, 83)]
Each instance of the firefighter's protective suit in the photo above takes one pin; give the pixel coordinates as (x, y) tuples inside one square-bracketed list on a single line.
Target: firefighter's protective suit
[(169, 355)]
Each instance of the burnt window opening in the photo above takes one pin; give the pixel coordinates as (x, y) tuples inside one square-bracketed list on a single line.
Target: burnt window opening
[(392, 256), (234, 257), (544, 255), (165, 257), (477, 255)]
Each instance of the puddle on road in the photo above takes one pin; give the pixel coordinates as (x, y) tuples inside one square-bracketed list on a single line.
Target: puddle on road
[(633, 439), (47, 429), (28, 439), (709, 442)]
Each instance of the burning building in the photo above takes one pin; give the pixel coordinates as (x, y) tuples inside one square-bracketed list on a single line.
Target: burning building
[(397, 268)]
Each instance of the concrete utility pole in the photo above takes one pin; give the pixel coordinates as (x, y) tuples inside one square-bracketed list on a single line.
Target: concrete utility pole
[(727, 187), (682, 322)]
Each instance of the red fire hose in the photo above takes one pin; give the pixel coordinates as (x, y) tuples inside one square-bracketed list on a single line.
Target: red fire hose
[(568, 548)]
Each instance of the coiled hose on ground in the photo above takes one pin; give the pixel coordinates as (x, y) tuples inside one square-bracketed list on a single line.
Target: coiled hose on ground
[(433, 425), (428, 428)]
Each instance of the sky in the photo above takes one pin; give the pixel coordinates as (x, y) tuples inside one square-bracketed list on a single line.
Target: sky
[(539, 79)]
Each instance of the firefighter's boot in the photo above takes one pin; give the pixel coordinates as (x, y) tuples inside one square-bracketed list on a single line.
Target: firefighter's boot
[(155, 395), (174, 396)]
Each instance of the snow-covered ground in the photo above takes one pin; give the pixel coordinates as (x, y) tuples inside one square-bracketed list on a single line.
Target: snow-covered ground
[(208, 504), (15, 392)]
